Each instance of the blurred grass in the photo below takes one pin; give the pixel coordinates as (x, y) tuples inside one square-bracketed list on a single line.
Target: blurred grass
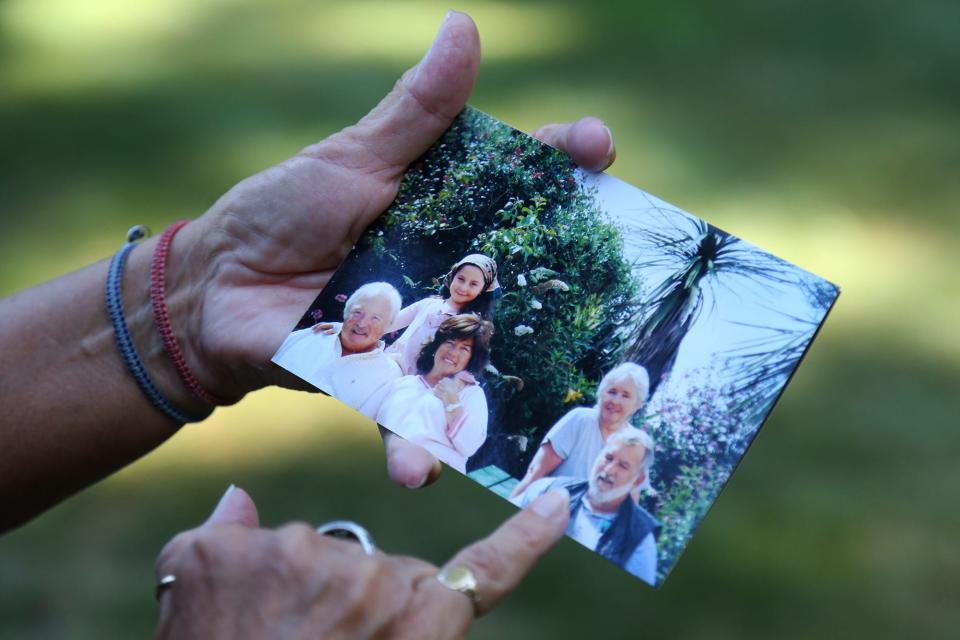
[(826, 132)]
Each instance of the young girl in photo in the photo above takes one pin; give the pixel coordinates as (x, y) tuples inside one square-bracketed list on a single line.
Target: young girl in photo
[(469, 287)]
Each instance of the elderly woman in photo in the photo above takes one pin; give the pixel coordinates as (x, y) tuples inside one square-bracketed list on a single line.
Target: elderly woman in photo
[(442, 408), (572, 444), (349, 363)]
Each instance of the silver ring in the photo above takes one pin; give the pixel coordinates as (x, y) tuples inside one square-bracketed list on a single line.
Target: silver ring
[(163, 584), (347, 530), (459, 577)]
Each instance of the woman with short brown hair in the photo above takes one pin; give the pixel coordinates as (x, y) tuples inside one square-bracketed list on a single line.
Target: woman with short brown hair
[(443, 408)]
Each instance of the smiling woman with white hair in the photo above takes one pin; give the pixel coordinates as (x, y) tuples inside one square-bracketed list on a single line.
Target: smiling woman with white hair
[(572, 444)]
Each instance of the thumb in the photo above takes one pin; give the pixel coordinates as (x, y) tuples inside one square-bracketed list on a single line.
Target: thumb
[(424, 101), (235, 507)]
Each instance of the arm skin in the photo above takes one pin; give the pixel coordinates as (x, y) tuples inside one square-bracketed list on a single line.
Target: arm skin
[(545, 461), (467, 425), (239, 277), (406, 316), (72, 413)]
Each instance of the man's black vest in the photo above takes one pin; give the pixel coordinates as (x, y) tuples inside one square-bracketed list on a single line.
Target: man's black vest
[(628, 530)]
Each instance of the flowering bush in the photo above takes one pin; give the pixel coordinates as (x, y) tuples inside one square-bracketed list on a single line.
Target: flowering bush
[(701, 427), (699, 437), (681, 507)]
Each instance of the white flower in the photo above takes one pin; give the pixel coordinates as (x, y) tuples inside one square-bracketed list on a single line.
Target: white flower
[(550, 285), (522, 280), (536, 304), (522, 330)]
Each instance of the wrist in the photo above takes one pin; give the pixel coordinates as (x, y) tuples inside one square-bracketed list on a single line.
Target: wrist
[(143, 331), (190, 267)]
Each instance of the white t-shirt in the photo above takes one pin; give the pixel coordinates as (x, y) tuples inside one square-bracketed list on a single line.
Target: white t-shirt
[(353, 379), (576, 438)]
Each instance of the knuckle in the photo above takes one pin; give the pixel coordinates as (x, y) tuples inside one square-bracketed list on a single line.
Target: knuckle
[(295, 542), (297, 532), (487, 561), (527, 537), (205, 549), (550, 134), (356, 582), (171, 551), (360, 574), (413, 568)]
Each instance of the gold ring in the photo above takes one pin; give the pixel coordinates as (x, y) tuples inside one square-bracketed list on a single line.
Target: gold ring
[(461, 578)]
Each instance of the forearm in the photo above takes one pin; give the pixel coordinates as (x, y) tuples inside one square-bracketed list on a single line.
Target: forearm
[(455, 418), (544, 461), (469, 428), (72, 413), (469, 436), (405, 317), (530, 477)]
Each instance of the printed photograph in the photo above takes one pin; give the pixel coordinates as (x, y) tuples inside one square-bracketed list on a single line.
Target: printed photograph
[(535, 326)]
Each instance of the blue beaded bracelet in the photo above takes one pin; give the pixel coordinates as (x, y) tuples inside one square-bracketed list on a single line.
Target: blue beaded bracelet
[(122, 333)]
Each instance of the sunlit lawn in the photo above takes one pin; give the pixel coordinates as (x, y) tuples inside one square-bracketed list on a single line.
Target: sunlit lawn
[(824, 132)]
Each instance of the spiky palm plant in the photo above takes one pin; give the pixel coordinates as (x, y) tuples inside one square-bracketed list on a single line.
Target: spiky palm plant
[(763, 364), (697, 256)]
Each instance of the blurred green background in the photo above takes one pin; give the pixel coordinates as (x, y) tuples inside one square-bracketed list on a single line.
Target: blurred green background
[(826, 132)]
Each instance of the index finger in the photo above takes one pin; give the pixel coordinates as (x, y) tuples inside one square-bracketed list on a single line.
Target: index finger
[(499, 561)]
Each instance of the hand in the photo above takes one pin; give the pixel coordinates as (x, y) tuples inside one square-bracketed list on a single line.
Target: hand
[(268, 245), (448, 390), (234, 580), (324, 327)]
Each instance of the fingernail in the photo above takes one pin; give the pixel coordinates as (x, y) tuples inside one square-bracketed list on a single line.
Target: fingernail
[(433, 45), (443, 22), (417, 485), (434, 471), (612, 151), (223, 500), (552, 505)]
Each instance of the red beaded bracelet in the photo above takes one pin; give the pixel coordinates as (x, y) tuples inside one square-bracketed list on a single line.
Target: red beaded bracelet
[(158, 277)]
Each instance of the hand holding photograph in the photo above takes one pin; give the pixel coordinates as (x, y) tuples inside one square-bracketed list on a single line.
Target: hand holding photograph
[(535, 326)]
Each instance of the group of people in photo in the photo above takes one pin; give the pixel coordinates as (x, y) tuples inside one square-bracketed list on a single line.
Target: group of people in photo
[(604, 463), (424, 386)]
